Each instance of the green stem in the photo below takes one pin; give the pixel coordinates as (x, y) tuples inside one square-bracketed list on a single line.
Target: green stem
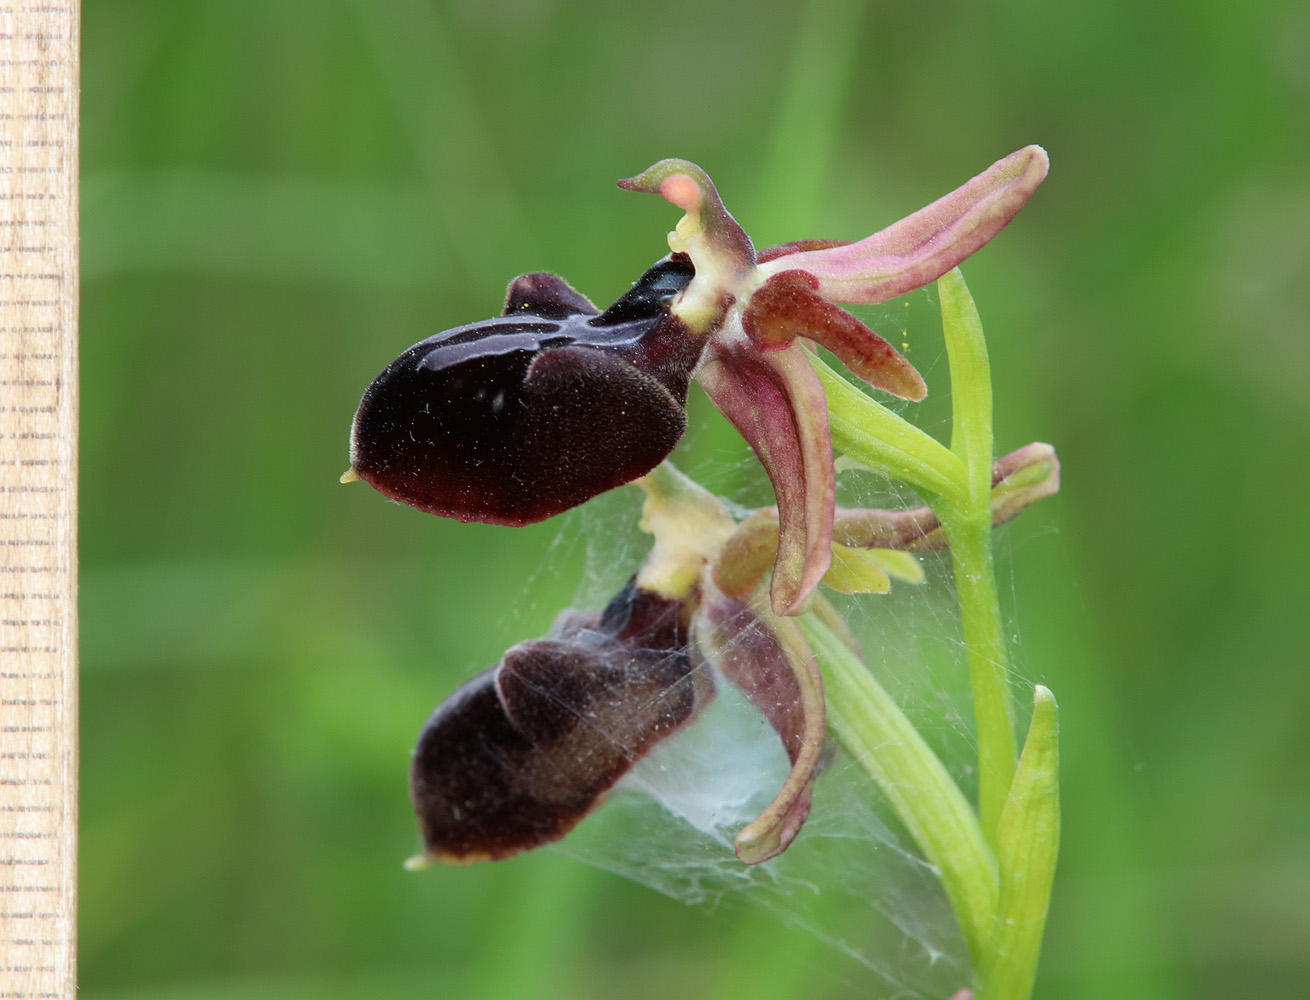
[(916, 784), (984, 642), (1000, 905), (873, 435), (967, 521)]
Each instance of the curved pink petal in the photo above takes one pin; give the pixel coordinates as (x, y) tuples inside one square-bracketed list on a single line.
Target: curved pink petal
[(776, 401), (922, 247), (768, 659)]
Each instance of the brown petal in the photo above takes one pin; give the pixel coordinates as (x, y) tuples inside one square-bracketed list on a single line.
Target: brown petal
[(915, 530), (769, 660), (776, 401), (749, 551), (787, 306)]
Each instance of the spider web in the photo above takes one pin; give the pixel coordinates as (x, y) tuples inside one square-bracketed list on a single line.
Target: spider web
[(853, 877)]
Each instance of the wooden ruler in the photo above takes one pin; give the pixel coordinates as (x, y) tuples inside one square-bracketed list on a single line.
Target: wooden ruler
[(38, 500)]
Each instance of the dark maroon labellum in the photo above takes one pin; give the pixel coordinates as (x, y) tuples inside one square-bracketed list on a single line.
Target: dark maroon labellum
[(518, 755), (523, 416)]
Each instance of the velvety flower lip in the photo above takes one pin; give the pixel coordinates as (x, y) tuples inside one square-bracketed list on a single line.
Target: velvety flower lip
[(520, 417), (517, 756), (754, 307), (522, 752)]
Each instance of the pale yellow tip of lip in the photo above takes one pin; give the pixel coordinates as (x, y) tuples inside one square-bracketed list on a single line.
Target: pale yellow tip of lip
[(350, 476), (417, 863)]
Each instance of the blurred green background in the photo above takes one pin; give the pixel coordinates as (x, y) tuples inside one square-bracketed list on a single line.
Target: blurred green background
[(280, 195)]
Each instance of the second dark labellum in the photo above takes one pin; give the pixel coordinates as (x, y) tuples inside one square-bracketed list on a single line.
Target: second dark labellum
[(518, 418), (522, 752)]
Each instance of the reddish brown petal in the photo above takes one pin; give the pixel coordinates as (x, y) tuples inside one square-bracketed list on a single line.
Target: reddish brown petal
[(768, 659), (776, 401), (748, 553), (786, 306)]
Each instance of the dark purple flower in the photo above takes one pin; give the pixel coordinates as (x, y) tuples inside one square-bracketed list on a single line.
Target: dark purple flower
[(523, 416), (518, 755)]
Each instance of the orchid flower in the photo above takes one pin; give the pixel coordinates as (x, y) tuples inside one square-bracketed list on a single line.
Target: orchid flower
[(752, 308), (518, 755), (521, 417)]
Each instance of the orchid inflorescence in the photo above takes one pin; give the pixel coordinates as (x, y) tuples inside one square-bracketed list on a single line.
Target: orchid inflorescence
[(517, 418)]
